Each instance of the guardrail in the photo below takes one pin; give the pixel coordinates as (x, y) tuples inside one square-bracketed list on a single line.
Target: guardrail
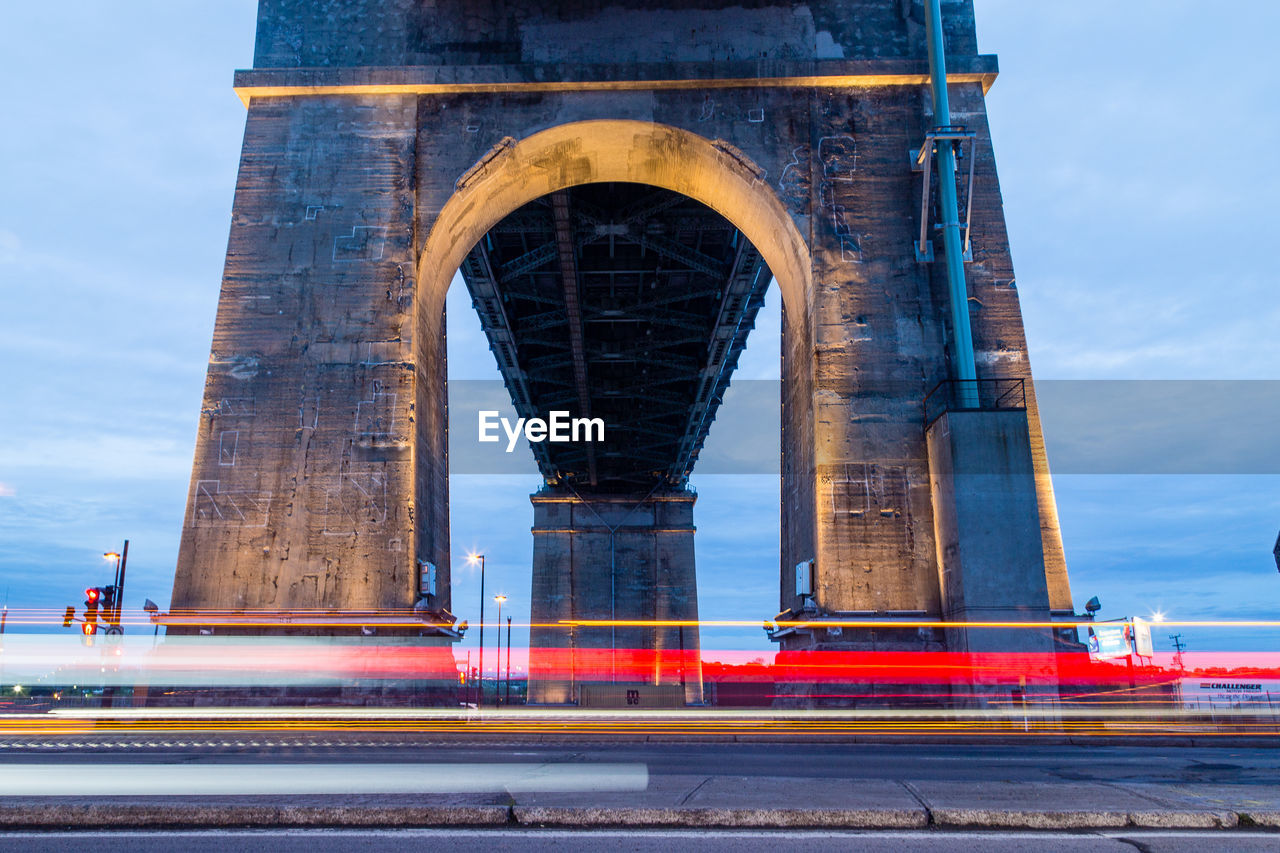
[(975, 395)]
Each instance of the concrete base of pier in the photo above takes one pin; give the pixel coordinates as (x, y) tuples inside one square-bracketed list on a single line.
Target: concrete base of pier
[(614, 595)]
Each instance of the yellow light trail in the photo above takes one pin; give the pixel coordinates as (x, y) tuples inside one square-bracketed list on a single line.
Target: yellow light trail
[(388, 618)]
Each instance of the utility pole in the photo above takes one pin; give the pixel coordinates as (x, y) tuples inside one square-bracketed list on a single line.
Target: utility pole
[(497, 664), (473, 559), (1180, 646), (124, 564)]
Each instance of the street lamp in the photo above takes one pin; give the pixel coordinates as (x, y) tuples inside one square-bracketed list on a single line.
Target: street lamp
[(122, 563), (497, 668), (472, 559)]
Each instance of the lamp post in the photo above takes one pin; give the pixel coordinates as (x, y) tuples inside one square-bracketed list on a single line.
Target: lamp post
[(122, 563), (473, 559), (508, 699), (497, 666)]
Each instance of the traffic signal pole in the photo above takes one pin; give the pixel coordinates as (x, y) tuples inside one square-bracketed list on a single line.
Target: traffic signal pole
[(124, 562)]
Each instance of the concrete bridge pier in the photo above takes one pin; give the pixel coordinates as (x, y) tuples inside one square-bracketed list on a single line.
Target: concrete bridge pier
[(613, 581), (991, 565)]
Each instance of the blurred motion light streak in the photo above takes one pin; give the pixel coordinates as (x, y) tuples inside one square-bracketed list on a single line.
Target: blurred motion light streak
[(93, 780)]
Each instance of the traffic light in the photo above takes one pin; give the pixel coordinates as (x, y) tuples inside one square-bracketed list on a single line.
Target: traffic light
[(92, 596), (110, 615), (68, 617)]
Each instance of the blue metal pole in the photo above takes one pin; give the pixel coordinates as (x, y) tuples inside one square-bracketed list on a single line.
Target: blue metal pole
[(966, 369)]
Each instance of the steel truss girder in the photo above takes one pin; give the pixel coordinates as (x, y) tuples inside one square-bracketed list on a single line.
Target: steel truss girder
[(682, 364), (536, 298), (546, 252), (666, 319), (546, 320), (537, 257), (627, 232), (664, 388), (736, 316), (567, 253)]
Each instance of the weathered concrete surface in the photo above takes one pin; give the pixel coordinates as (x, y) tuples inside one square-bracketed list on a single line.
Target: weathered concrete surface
[(613, 557), (309, 34), (84, 815), (305, 455), (1061, 805), (681, 800), (693, 800), (320, 476), (986, 523)]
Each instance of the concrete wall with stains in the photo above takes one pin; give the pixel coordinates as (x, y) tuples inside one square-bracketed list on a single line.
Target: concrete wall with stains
[(325, 33)]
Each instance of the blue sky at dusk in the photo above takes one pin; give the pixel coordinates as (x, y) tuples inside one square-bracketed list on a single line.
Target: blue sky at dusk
[(1132, 142)]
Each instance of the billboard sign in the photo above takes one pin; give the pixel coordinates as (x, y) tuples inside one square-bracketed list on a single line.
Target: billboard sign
[(1121, 638), (1142, 645), (1227, 693), (1109, 640)]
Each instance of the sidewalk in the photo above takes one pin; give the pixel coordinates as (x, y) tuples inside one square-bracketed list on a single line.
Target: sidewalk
[(699, 801)]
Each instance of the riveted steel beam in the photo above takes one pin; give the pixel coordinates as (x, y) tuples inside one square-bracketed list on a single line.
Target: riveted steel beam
[(567, 252)]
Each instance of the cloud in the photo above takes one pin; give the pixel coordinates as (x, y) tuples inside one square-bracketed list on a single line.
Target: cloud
[(7, 491), (1160, 427), (101, 456)]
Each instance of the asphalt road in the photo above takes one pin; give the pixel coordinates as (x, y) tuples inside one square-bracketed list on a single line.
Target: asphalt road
[(625, 841), (1023, 762), (505, 796)]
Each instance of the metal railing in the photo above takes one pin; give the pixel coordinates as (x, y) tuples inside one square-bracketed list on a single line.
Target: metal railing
[(991, 395)]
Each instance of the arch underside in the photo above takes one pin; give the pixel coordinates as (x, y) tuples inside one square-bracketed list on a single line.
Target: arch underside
[(621, 304)]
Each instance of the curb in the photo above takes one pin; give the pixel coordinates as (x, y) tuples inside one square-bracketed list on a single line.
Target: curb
[(1020, 819), (722, 817), (89, 817), (81, 817), (1263, 820)]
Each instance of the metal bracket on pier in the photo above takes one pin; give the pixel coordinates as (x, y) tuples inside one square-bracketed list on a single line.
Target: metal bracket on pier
[(922, 161)]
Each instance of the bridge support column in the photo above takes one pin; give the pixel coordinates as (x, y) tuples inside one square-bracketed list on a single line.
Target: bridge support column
[(990, 552), (613, 579)]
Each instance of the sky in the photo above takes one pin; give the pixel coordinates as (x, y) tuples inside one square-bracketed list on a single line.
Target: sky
[(1132, 142)]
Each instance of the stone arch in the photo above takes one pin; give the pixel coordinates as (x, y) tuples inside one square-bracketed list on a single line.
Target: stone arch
[(515, 173), (617, 151)]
